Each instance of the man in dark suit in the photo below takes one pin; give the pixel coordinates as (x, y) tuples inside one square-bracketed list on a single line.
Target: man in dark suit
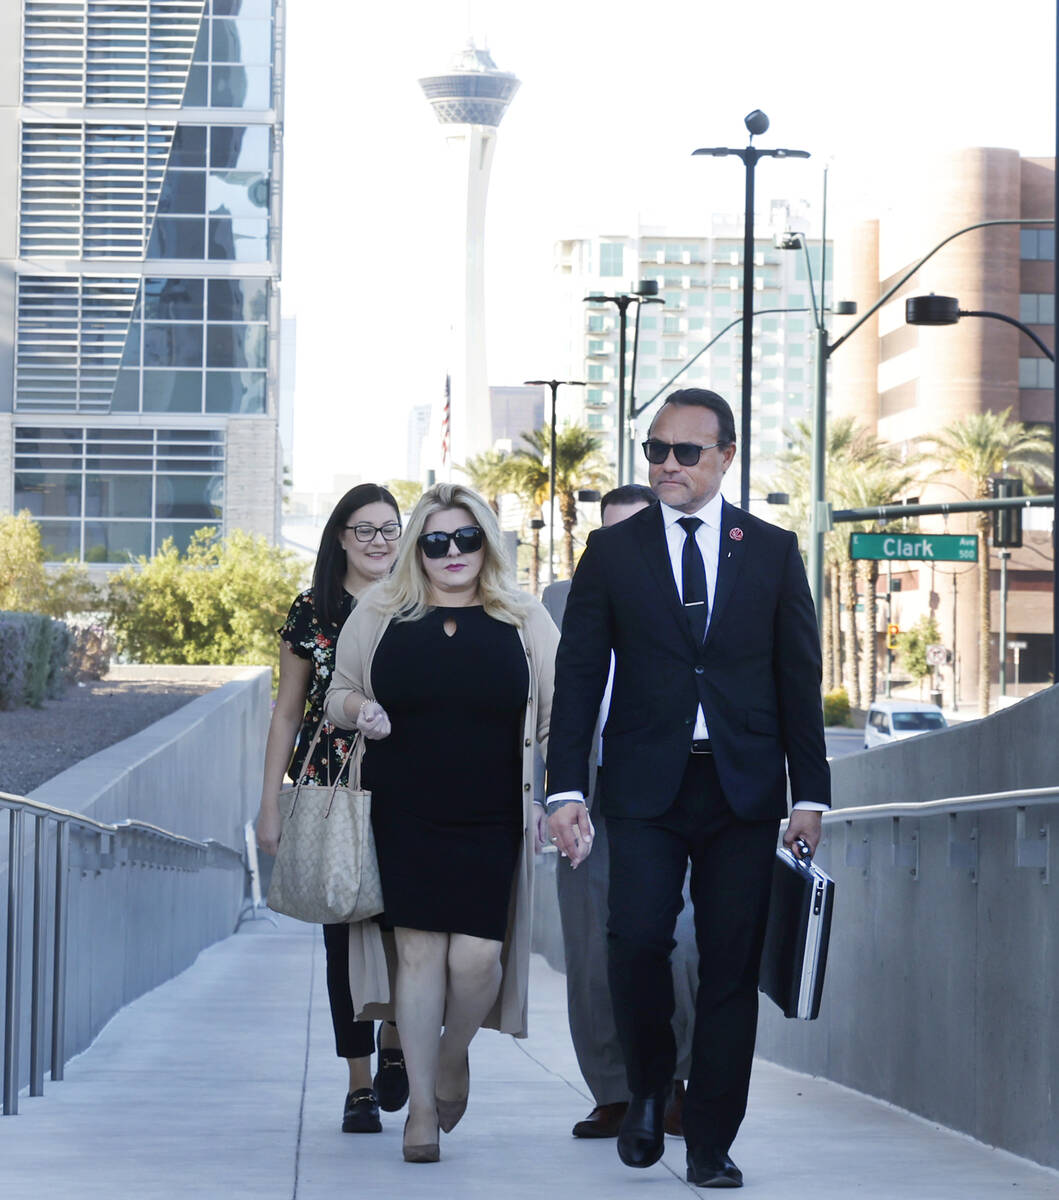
[(582, 896), (715, 704)]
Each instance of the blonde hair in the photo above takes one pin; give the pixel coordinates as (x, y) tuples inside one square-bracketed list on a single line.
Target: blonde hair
[(406, 592)]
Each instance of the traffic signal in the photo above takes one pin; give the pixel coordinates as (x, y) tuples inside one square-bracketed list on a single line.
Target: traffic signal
[(1007, 522), (891, 636)]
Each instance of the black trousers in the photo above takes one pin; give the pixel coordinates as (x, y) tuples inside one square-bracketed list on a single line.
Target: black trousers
[(731, 877), (353, 1038)]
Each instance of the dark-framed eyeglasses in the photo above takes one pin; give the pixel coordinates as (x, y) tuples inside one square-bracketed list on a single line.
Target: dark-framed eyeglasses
[(364, 532), (686, 453), (468, 539)]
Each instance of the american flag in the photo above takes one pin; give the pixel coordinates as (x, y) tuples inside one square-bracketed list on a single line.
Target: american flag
[(446, 419)]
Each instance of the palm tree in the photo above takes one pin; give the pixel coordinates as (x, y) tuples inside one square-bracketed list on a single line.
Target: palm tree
[(883, 479), (578, 464), (849, 448), (980, 446), (527, 478), (487, 475)]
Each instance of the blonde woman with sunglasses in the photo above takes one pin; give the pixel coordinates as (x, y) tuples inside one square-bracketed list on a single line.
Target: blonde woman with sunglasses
[(446, 668)]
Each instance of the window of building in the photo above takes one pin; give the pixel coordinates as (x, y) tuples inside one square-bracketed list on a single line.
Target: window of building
[(696, 323), (649, 323), (1036, 373), (1037, 244), (611, 259), (595, 372), (648, 348), (647, 370), (1037, 308), (110, 494), (180, 345)]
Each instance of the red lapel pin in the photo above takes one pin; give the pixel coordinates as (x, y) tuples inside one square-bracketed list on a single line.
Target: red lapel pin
[(735, 533)]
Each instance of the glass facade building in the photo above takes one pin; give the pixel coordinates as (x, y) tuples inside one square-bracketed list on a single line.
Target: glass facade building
[(694, 339), (139, 306)]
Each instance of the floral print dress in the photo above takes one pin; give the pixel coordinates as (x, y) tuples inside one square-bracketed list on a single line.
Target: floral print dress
[(305, 636)]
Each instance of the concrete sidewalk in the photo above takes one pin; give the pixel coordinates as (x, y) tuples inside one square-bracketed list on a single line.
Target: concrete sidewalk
[(223, 1084)]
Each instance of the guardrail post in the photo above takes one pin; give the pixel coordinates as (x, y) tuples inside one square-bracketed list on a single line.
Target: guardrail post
[(963, 852), (58, 974), (13, 990), (1031, 848), (36, 1006), (906, 845)]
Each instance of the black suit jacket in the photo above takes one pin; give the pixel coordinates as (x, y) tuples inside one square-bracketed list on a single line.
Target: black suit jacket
[(757, 675)]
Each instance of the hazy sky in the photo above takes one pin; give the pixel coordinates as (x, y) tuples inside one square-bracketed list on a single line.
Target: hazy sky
[(614, 98)]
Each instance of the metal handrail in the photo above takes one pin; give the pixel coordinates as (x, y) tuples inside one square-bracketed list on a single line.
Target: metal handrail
[(209, 853), (1023, 798)]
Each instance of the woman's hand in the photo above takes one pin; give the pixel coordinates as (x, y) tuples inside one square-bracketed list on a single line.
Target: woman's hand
[(372, 721), (269, 826)]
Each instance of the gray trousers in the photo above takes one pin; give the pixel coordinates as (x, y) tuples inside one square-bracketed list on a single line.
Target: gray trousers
[(583, 913)]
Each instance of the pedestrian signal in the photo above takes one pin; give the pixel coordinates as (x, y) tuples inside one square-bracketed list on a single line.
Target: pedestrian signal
[(891, 636)]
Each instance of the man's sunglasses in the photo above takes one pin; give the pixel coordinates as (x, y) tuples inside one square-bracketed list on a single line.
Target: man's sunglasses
[(391, 531), (468, 538), (686, 453)]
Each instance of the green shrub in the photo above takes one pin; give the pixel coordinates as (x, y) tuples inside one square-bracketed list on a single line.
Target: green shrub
[(91, 650), (27, 665), (221, 602), (59, 660), (836, 707)]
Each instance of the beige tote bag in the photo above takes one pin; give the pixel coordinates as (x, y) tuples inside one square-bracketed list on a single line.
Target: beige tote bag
[(326, 871)]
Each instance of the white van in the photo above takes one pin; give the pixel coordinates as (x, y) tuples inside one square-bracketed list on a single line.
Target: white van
[(892, 720)]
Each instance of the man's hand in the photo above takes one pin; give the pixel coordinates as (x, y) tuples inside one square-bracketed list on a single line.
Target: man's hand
[(540, 827), (570, 828), (804, 823)]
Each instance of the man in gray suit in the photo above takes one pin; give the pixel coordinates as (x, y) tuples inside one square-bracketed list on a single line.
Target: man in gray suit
[(583, 914)]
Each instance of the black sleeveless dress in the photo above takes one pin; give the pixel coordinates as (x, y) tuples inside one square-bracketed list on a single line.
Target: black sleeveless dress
[(447, 783)]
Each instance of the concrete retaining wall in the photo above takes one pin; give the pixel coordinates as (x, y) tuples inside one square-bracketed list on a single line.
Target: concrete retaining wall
[(942, 991), (196, 773)]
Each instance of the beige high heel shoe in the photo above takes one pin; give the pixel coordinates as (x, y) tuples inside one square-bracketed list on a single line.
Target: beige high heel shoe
[(450, 1111), (427, 1152)]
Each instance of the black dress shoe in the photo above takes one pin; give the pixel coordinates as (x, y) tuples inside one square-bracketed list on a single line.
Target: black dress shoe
[(603, 1121), (391, 1079), (713, 1168), (675, 1110), (361, 1114), (641, 1138)]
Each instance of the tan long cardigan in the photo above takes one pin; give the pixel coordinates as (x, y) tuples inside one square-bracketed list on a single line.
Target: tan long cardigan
[(372, 958)]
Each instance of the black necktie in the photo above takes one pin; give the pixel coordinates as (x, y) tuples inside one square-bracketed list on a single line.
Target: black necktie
[(693, 579)]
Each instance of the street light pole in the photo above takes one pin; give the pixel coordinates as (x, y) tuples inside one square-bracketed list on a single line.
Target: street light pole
[(755, 122), (645, 293), (555, 385)]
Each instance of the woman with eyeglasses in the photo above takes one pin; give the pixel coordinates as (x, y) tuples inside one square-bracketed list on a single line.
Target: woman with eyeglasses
[(358, 547), (447, 669)]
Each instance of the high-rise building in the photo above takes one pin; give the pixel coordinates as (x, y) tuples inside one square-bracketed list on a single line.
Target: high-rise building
[(906, 383), (139, 262), (700, 278), (469, 101)]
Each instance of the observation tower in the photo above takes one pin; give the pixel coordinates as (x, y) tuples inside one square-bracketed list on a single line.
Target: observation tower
[(469, 101)]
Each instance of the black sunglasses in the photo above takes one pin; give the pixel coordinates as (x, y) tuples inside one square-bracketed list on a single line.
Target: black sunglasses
[(468, 538), (686, 453)]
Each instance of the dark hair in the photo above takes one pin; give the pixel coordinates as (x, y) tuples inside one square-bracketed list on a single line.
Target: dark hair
[(701, 398), (330, 567), (629, 493)]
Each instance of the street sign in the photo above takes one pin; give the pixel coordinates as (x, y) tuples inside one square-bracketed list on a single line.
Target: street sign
[(937, 656), (1017, 645), (915, 547)]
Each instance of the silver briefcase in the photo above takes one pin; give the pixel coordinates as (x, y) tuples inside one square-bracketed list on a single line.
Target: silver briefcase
[(796, 939)]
